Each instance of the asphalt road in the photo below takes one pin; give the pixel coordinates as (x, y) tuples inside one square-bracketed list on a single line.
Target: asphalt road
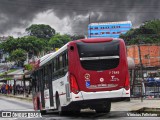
[(7, 103), (117, 111)]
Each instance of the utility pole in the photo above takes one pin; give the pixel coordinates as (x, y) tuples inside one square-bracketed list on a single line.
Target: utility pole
[(141, 72)]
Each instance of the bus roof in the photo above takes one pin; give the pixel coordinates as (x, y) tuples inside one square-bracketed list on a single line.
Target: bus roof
[(48, 57)]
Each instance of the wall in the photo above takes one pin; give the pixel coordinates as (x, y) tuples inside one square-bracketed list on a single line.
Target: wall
[(150, 54)]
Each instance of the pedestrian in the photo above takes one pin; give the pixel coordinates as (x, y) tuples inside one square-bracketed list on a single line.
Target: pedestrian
[(3, 88), (0, 88), (10, 88), (18, 88), (21, 90), (14, 89), (7, 88)]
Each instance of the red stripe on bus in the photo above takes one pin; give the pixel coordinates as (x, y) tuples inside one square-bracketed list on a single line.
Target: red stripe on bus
[(54, 96)]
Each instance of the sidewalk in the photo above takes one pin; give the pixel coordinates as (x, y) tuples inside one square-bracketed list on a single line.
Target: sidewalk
[(19, 96), (134, 105)]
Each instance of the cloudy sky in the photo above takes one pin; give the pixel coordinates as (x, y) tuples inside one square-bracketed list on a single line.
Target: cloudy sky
[(72, 16)]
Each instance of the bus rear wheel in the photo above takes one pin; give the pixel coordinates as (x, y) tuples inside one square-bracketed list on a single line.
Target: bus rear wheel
[(104, 108), (43, 112)]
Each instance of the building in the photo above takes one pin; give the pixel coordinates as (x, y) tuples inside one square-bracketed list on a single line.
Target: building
[(108, 29)]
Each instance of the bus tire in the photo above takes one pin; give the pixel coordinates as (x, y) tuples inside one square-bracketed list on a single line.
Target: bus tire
[(43, 112), (105, 108), (75, 112)]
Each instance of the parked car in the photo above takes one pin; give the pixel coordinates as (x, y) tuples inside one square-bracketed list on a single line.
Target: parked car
[(157, 79), (150, 82)]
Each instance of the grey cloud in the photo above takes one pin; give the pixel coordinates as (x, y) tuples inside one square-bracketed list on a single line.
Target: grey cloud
[(19, 13)]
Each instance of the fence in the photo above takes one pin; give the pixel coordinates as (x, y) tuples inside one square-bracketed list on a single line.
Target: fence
[(148, 85)]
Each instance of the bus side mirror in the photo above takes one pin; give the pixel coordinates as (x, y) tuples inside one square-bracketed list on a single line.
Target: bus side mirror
[(131, 64)]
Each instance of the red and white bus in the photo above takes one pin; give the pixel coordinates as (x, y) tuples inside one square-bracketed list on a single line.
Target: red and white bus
[(86, 73)]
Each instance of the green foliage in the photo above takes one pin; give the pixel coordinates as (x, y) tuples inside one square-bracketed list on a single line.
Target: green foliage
[(41, 40), (153, 25), (30, 44), (58, 40), (8, 78), (29, 67), (149, 32), (19, 56), (9, 45), (76, 37), (41, 31)]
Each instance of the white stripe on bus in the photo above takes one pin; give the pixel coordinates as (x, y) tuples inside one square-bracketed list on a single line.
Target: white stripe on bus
[(99, 58)]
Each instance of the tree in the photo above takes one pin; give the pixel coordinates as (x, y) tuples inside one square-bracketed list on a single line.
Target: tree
[(153, 25), (41, 31), (58, 40), (30, 44), (149, 32), (18, 56), (76, 37), (9, 45)]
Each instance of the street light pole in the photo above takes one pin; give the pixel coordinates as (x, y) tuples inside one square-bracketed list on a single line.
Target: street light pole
[(141, 72)]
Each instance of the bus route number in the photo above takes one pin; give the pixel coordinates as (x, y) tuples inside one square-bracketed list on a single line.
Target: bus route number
[(114, 72)]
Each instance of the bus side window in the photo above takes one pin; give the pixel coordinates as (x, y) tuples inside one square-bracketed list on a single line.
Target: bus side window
[(36, 82), (60, 64), (54, 62), (57, 63), (46, 76), (65, 61), (60, 61), (66, 58), (61, 69), (43, 77), (53, 68)]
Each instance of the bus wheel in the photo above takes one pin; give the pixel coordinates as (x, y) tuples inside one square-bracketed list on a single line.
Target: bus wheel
[(43, 112), (105, 108), (75, 112)]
